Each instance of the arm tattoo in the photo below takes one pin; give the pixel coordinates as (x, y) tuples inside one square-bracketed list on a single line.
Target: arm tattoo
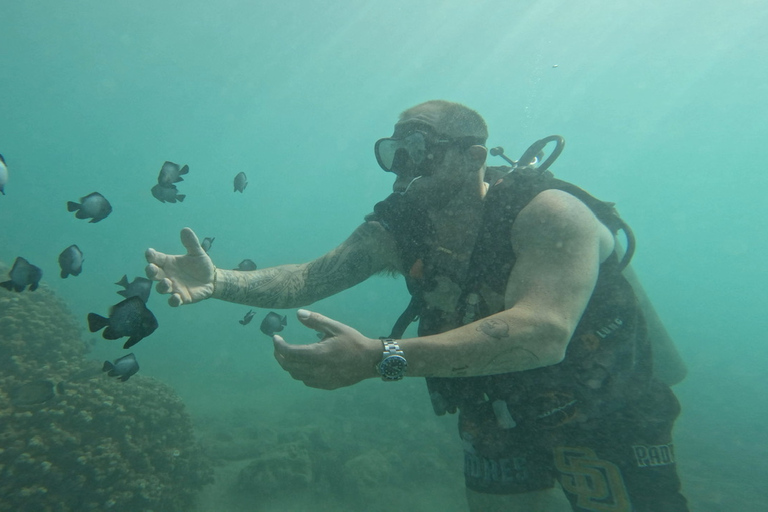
[(496, 329), (289, 286)]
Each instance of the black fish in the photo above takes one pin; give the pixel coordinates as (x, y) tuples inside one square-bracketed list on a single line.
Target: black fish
[(127, 318), (170, 173), (247, 318), (167, 193), (207, 243), (246, 265), (273, 323), (71, 261), (3, 175), (139, 287), (240, 182), (23, 273), (123, 367), (94, 206)]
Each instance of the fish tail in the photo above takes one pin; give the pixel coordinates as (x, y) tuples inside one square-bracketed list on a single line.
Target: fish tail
[(242, 322), (184, 170), (96, 322), (123, 282), (72, 206), (181, 197), (64, 274), (8, 285)]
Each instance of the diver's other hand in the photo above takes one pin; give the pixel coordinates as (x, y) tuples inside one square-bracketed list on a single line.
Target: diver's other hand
[(342, 358), (187, 277)]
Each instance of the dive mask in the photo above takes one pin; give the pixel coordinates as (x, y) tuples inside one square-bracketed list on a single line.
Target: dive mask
[(394, 154)]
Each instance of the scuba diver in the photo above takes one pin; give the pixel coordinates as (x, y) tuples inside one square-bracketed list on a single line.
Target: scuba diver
[(527, 327)]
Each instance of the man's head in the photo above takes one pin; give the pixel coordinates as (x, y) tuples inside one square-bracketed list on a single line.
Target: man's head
[(441, 143), (447, 119)]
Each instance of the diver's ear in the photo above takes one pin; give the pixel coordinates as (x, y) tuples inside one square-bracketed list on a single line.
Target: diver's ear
[(477, 154)]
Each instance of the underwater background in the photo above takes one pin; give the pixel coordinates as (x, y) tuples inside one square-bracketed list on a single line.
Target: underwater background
[(663, 108)]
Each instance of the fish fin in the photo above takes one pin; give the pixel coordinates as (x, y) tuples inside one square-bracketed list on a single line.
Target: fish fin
[(242, 322), (32, 287), (110, 334), (8, 285), (124, 293), (181, 197), (95, 219), (2, 190), (107, 366), (81, 214), (96, 322), (132, 341), (72, 206), (77, 271), (184, 170), (123, 282), (284, 320), (64, 274)]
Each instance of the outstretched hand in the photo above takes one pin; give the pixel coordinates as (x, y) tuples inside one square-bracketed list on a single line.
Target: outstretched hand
[(187, 277), (342, 358)]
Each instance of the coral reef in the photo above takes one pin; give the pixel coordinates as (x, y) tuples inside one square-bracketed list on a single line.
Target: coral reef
[(95, 443)]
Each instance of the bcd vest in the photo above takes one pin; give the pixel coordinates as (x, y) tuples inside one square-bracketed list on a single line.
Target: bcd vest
[(608, 359)]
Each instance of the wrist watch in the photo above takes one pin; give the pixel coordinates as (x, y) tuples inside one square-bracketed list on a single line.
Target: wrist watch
[(393, 364)]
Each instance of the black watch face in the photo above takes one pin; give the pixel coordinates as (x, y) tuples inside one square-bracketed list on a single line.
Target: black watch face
[(393, 367)]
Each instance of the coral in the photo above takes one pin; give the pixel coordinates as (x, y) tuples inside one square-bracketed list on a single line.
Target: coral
[(97, 444), (283, 469)]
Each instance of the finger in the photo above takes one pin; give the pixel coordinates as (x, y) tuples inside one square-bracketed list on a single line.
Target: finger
[(154, 272), (320, 323), (164, 286), (152, 256), (175, 300), (291, 356), (191, 243)]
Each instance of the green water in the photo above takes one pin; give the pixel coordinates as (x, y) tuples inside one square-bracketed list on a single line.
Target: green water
[(662, 103)]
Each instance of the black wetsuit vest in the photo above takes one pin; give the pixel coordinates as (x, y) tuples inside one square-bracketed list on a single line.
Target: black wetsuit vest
[(608, 359)]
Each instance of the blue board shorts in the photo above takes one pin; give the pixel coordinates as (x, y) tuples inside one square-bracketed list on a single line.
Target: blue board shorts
[(621, 462)]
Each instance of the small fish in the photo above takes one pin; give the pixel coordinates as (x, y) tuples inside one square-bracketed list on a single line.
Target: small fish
[(167, 193), (245, 265), (123, 367), (170, 173), (32, 393), (3, 175), (240, 182), (207, 243), (247, 318), (273, 323), (71, 261), (94, 206), (127, 318), (139, 287), (23, 273)]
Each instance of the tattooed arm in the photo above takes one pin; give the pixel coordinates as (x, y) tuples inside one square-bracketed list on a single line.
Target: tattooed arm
[(369, 250)]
